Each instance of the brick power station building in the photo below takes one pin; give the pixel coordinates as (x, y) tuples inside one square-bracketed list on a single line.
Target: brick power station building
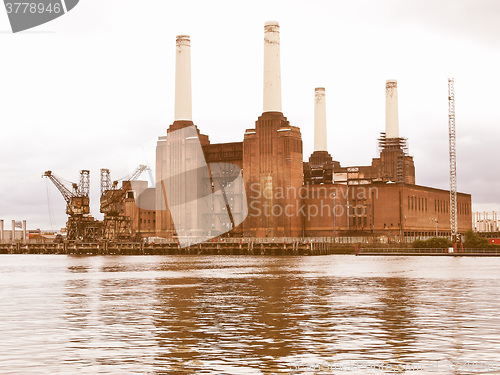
[(285, 196)]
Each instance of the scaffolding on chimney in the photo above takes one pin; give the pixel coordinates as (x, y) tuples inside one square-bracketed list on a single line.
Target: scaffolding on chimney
[(399, 147), (390, 144), (400, 177)]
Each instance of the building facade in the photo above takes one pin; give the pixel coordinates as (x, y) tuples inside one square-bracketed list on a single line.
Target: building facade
[(283, 195)]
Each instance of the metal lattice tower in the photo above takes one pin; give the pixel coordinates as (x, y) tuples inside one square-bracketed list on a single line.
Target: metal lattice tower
[(84, 185), (453, 160), (105, 180)]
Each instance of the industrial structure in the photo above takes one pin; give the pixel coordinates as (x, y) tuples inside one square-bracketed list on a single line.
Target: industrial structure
[(284, 196), (116, 225), (80, 225), (486, 222), (13, 234), (453, 160), (287, 197)]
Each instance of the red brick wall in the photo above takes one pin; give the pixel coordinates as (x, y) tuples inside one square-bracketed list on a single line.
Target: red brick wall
[(383, 208), (272, 160)]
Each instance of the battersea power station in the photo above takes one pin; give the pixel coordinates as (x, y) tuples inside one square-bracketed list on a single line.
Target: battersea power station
[(261, 186)]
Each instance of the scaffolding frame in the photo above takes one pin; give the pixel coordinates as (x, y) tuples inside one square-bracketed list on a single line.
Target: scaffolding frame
[(453, 160)]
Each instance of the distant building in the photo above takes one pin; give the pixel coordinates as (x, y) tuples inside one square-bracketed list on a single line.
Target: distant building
[(486, 222), (17, 232)]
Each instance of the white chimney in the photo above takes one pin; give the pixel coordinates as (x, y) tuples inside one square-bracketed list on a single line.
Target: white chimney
[(1, 231), (24, 231), (13, 230), (272, 71), (183, 109), (320, 119), (391, 109)]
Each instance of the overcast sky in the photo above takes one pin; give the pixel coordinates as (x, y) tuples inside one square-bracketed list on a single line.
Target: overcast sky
[(95, 88)]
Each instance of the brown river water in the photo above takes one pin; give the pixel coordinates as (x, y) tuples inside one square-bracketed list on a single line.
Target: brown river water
[(338, 314)]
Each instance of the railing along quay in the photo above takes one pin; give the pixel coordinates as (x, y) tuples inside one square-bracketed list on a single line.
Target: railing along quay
[(232, 246), (227, 247)]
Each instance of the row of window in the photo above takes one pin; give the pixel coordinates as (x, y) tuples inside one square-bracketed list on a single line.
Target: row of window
[(417, 204), (148, 221), (463, 208), (359, 221), (440, 206)]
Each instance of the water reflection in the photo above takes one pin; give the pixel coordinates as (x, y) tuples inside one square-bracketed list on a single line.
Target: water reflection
[(242, 315)]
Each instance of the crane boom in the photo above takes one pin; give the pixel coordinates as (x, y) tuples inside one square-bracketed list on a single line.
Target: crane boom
[(77, 201), (138, 172), (66, 193)]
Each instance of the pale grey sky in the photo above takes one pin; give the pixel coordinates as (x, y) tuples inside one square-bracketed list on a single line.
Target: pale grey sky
[(94, 88)]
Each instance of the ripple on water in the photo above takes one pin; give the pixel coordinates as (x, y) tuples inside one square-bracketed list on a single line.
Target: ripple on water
[(242, 315)]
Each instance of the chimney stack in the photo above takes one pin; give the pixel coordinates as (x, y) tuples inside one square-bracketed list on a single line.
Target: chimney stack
[(272, 70), (183, 109), (320, 119), (24, 231), (13, 230), (391, 109), (1, 231)]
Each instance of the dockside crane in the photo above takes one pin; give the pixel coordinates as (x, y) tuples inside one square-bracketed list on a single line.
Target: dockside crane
[(80, 225), (117, 225)]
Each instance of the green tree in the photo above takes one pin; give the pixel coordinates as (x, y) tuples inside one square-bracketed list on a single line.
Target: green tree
[(433, 243), (474, 241)]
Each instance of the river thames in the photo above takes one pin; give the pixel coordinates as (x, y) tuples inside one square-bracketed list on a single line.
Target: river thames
[(248, 314)]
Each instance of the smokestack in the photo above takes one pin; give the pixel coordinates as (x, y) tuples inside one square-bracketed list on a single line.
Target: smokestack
[(13, 230), (391, 109), (272, 71), (183, 109), (320, 119), (1, 231), (24, 230)]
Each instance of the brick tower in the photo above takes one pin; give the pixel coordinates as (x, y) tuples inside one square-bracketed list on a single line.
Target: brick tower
[(272, 157)]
